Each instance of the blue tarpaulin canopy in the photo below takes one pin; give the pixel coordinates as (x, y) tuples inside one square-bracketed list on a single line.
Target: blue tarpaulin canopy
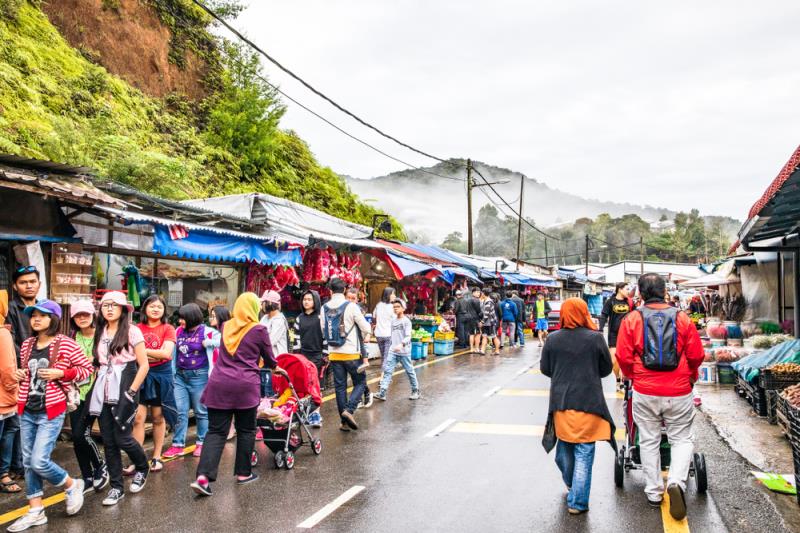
[(449, 274), (439, 253), (409, 267), (214, 246)]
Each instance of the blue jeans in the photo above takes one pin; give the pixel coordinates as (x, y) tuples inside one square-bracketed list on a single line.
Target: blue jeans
[(521, 333), (39, 437), (388, 369), (341, 369), (189, 385), (575, 462), (9, 428)]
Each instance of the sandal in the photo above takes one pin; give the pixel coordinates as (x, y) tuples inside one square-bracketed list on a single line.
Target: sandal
[(129, 470), (156, 465), (10, 486)]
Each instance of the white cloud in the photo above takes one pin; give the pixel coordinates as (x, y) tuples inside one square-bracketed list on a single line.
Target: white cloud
[(680, 105)]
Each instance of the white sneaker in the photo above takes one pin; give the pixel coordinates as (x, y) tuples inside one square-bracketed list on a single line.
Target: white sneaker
[(74, 496), (34, 517)]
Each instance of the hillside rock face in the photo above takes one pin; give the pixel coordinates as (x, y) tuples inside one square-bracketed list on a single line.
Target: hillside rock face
[(129, 40)]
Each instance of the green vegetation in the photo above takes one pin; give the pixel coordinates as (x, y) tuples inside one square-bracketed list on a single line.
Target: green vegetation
[(690, 238), (56, 104)]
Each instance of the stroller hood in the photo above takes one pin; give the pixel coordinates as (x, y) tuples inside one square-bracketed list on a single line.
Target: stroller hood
[(303, 375)]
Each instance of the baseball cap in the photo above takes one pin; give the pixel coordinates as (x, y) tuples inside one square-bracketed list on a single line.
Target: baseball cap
[(117, 298), (272, 297), (23, 271), (81, 306), (48, 307)]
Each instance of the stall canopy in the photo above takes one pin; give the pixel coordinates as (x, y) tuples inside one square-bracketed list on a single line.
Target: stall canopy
[(449, 274), (189, 241), (710, 280), (404, 267), (518, 278), (445, 256), (291, 221), (776, 215)]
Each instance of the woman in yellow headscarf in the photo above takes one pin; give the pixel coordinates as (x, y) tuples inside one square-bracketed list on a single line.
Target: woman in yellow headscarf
[(576, 358), (233, 392), (8, 387)]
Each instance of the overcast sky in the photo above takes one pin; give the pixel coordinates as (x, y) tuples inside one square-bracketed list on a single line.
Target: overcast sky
[(680, 104)]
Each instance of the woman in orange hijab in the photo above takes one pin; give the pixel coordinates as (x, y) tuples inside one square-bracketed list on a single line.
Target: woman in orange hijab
[(576, 358)]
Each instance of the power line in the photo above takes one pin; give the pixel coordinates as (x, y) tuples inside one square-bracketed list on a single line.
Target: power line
[(516, 214), (306, 84), (365, 143)]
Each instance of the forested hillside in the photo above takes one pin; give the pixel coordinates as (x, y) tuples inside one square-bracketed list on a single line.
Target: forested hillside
[(193, 119)]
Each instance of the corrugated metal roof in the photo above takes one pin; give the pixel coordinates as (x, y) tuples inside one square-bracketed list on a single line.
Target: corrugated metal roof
[(70, 186)]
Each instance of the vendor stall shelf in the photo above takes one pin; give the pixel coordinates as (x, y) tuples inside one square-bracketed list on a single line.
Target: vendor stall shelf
[(70, 274)]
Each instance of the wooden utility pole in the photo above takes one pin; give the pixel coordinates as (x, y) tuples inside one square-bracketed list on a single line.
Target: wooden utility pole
[(587, 257), (546, 255), (469, 206), (641, 255), (519, 225)]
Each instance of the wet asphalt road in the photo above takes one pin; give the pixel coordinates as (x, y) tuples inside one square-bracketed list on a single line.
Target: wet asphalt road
[(486, 471)]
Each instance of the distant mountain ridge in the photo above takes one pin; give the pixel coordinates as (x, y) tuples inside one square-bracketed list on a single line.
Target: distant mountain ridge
[(430, 207)]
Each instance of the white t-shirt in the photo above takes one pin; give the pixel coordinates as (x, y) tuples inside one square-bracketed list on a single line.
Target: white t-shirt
[(278, 329), (383, 316)]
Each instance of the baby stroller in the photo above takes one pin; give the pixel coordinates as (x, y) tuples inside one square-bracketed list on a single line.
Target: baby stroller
[(628, 457), (298, 388)]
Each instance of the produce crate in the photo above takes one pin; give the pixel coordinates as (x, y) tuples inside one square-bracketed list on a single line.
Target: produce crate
[(444, 336), (769, 380), (725, 374), (419, 350), (443, 347), (759, 400), (772, 406), (742, 386)]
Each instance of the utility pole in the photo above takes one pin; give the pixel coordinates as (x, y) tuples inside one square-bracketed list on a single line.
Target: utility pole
[(469, 206), (641, 256), (587, 257), (519, 225), (546, 255)]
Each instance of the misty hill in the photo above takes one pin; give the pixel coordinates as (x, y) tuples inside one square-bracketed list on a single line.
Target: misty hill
[(430, 207)]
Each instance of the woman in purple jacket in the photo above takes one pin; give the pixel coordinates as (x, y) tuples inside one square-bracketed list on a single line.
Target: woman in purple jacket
[(232, 393)]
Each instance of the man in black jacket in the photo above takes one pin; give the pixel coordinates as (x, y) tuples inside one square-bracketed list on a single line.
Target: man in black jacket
[(461, 310)]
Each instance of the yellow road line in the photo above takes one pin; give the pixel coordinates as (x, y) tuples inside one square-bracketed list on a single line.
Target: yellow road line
[(377, 379), (670, 524), (523, 430), (544, 393), (58, 498)]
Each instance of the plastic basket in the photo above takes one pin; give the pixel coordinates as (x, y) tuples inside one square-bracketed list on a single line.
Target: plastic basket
[(768, 380), (419, 350), (759, 400), (725, 374), (772, 406), (443, 347), (444, 336)]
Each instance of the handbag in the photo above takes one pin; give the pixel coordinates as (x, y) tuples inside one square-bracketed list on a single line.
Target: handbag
[(70, 390), (549, 438)]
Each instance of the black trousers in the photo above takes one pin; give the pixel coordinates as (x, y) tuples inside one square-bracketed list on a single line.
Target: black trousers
[(219, 423), (86, 450), (115, 441)]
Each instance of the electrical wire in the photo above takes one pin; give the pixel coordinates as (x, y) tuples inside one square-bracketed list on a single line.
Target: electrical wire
[(516, 214), (307, 85), (365, 143)]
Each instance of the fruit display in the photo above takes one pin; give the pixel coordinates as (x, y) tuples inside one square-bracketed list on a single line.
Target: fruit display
[(320, 265), (792, 395), (420, 335), (785, 371)]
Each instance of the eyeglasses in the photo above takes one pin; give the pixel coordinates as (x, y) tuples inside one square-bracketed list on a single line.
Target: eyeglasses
[(108, 306), (30, 269)]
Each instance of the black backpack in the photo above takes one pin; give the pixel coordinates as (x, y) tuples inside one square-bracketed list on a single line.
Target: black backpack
[(660, 351)]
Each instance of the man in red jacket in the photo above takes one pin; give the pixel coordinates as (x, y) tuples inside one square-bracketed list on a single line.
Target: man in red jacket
[(661, 395)]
